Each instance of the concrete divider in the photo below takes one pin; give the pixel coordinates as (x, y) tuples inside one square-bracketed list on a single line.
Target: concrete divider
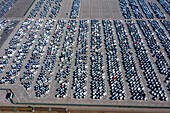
[(29, 7)]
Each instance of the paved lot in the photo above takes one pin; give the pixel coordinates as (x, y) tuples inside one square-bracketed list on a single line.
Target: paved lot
[(19, 8), (89, 9)]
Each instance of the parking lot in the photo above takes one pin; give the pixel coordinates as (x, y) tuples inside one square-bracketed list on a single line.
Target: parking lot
[(61, 79), (89, 53)]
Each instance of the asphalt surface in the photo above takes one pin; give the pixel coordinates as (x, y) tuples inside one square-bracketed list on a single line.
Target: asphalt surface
[(2, 98), (89, 9), (19, 8)]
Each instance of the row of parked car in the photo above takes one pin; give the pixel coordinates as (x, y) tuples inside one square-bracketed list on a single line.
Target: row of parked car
[(163, 67), (114, 73), (149, 36), (44, 78), (96, 39), (165, 5), (152, 78), (19, 59), (64, 71), (36, 9), (166, 24), (126, 11), (9, 52), (62, 76), (81, 55), (135, 84), (162, 63), (10, 27), (33, 62), (5, 6), (46, 8), (83, 42), (162, 36), (56, 8), (80, 75), (135, 9), (83, 34), (145, 9), (98, 84), (159, 14), (3, 23), (80, 81), (75, 9)]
